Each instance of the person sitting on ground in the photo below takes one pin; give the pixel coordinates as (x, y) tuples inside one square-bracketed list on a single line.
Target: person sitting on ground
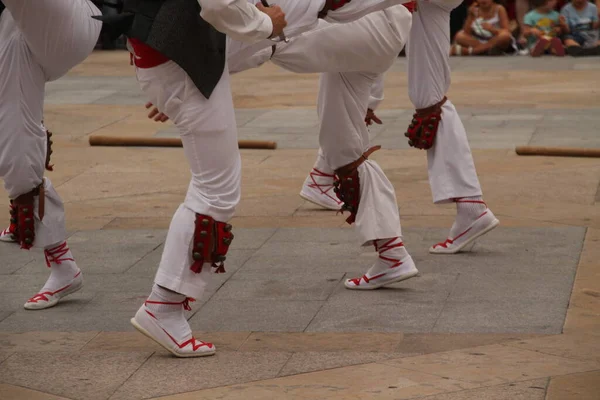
[(543, 26), (582, 28), (486, 31)]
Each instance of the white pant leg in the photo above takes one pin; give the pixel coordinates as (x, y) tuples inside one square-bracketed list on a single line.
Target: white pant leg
[(369, 44), (343, 101), (450, 162), (51, 230), (22, 138), (209, 136), (60, 33)]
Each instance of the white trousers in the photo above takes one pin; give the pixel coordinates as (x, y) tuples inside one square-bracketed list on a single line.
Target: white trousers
[(40, 40), (350, 57), (450, 162), (209, 135)]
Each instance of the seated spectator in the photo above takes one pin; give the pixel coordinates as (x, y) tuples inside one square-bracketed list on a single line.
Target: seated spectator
[(485, 31), (582, 28), (522, 7), (543, 26)]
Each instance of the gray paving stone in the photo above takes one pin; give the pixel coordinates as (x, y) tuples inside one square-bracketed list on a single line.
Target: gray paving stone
[(310, 361), (14, 258), (163, 374), (513, 315), (258, 315), (357, 317), (4, 355), (322, 235), (5, 314), (56, 319), (88, 375), (525, 286), (111, 251), (501, 139), (287, 118), (295, 287), (553, 137)]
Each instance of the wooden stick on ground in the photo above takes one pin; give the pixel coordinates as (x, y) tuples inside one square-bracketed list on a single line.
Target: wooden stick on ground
[(168, 142), (556, 151)]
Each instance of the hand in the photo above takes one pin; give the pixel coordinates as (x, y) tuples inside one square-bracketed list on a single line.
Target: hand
[(155, 114), (562, 20), (488, 27), (536, 32), (371, 117), (277, 17), (557, 30), (596, 25)]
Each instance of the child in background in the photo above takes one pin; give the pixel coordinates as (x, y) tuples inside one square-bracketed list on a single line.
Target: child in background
[(543, 26), (485, 31), (583, 23)]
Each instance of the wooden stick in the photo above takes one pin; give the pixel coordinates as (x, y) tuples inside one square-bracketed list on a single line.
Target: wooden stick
[(556, 151), (168, 142)]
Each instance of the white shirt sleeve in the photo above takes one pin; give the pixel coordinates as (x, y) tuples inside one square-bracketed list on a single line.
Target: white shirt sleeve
[(238, 19), (376, 96)]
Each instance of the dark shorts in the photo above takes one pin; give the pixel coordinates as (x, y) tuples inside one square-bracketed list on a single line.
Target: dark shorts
[(576, 37)]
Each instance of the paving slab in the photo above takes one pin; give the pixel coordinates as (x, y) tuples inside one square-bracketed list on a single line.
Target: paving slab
[(528, 390), (296, 287), (583, 386), (502, 316), (258, 315), (357, 317), (493, 365), (10, 392), (45, 341), (323, 342), (385, 383), (84, 375), (162, 374), (61, 321), (310, 361)]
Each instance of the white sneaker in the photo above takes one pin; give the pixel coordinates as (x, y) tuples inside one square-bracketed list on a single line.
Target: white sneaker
[(373, 280), (318, 189), (49, 299), (7, 235), (482, 225), (147, 323)]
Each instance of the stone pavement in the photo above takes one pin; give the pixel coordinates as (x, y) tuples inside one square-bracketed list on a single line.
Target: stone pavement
[(518, 317)]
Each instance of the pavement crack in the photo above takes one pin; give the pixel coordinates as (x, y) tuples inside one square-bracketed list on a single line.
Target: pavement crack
[(445, 303), (130, 376)]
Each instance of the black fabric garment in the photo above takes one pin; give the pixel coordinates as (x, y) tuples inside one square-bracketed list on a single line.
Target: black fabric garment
[(1, 7), (175, 29)]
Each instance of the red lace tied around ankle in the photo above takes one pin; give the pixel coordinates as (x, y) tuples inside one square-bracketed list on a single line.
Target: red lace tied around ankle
[(385, 247), (449, 241), (57, 254), (185, 303), (320, 186)]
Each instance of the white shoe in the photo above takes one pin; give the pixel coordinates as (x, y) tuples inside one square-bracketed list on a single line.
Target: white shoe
[(49, 299), (482, 225), (146, 322), (318, 189), (7, 235), (369, 281)]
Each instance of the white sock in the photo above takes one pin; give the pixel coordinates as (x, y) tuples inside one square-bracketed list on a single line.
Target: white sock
[(63, 268), (391, 252), (168, 308), (468, 209)]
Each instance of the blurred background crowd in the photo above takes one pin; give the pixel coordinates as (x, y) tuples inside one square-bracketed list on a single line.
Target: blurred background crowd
[(496, 27)]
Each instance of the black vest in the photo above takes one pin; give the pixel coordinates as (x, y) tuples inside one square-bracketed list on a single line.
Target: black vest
[(1, 7), (174, 28)]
